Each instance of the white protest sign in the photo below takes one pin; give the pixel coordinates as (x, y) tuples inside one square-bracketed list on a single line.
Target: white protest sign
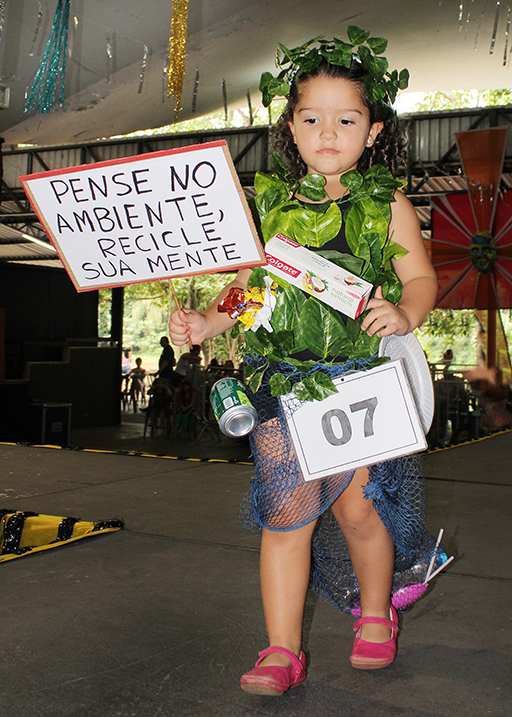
[(372, 418), (154, 216)]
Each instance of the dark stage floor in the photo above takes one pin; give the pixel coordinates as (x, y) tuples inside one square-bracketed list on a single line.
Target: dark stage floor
[(161, 618), (129, 436)]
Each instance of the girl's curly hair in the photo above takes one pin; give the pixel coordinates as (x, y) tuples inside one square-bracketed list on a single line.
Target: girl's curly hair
[(388, 148)]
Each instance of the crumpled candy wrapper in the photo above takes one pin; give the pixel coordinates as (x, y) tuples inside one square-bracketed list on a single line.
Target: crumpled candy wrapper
[(253, 307)]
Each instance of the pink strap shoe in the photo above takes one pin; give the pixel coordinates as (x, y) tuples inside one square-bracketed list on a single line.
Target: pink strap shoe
[(273, 679), (374, 655)]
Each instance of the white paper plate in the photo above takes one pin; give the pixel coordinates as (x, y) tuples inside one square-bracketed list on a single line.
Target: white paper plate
[(408, 349)]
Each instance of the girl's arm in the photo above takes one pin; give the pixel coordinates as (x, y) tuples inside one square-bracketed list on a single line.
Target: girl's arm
[(414, 270), (188, 325)]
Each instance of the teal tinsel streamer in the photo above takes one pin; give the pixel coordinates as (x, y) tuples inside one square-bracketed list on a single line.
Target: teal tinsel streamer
[(48, 86)]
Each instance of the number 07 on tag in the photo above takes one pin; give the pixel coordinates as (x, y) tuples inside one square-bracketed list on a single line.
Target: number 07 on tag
[(372, 418)]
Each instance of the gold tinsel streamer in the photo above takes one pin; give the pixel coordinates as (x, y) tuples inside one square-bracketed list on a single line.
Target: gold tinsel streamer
[(177, 53)]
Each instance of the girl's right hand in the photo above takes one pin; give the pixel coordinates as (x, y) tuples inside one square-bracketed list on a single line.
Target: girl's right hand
[(187, 326)]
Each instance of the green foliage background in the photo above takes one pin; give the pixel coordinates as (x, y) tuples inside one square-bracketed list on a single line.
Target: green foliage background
[(147, 308)]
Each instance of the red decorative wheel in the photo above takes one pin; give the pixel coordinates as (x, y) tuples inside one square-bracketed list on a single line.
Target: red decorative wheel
[(471, 244)]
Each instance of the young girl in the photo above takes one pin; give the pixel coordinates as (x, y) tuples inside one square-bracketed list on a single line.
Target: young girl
[(331, 127)]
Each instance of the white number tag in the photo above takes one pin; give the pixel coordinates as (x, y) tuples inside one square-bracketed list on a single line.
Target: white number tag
[(372, 418)]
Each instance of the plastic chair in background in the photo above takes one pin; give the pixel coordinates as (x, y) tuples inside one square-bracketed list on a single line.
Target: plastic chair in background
[(206, 421), (159, 409)]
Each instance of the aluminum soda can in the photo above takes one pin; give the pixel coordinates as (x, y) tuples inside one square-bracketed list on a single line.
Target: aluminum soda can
[(233, 410)]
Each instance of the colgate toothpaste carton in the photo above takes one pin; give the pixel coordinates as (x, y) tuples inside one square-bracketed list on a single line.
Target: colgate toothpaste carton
[(317, 276)]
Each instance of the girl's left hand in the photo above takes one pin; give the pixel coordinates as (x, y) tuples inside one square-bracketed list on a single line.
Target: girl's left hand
[(385, 318)]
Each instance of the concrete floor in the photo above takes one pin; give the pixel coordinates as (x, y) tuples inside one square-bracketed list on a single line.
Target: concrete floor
[(161, 618)]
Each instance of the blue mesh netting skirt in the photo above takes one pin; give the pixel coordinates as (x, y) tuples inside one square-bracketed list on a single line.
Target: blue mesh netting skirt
[(280, 499)]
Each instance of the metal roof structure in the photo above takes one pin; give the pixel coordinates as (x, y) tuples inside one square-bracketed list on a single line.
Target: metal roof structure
[(433, 168), (117, 52)]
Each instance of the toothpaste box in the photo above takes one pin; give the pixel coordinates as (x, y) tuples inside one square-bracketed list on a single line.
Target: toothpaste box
[(317, 276)]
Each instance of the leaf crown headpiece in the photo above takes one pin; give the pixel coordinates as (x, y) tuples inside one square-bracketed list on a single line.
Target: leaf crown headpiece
[(381, 83)]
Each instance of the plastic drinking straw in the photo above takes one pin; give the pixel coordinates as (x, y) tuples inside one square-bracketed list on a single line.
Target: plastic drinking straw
[(438, 541), (439, 569)]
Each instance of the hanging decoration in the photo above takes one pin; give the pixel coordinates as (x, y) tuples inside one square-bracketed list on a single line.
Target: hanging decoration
[(507, 34), (494, 35), (194, 93), (495, 28), (249, 105), (225, 99), (36, 31), (480, 23), (143, 68), (165, 71), (72, 35), (110, 58), (48, 86), (468, 18), (177, 52), (2, 16)]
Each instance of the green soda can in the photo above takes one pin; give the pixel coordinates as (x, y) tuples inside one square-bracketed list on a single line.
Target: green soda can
[(233, 410)]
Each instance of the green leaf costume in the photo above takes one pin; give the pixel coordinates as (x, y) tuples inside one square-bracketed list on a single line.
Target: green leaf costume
[(304, 322)]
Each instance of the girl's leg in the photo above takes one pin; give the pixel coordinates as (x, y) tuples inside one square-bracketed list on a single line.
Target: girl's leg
[(371, 551), (284, 570)]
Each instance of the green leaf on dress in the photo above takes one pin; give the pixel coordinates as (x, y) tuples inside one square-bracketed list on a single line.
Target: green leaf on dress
[(269, 198), (324, 384), (352, 180), (313, 228), (288, 308), (278, 220), (392, 250), (254, 381), (364, 218), (322, 330), (285, 340), (366, 346), (350, 263), (353, 328), (279, 385), (312, 187), (257, 278), (305, 390), (257, 342)]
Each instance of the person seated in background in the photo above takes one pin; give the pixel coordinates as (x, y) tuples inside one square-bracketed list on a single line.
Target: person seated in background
[(229, 368), (166, 363), (138, 384), (493, 396), (184, 404), (185, 361), (126, 361), (160, 402), (446, 361), (214, 371), (126, 367)]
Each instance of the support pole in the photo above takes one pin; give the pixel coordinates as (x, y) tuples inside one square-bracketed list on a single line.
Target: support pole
[(116, 316), (491, 338)]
